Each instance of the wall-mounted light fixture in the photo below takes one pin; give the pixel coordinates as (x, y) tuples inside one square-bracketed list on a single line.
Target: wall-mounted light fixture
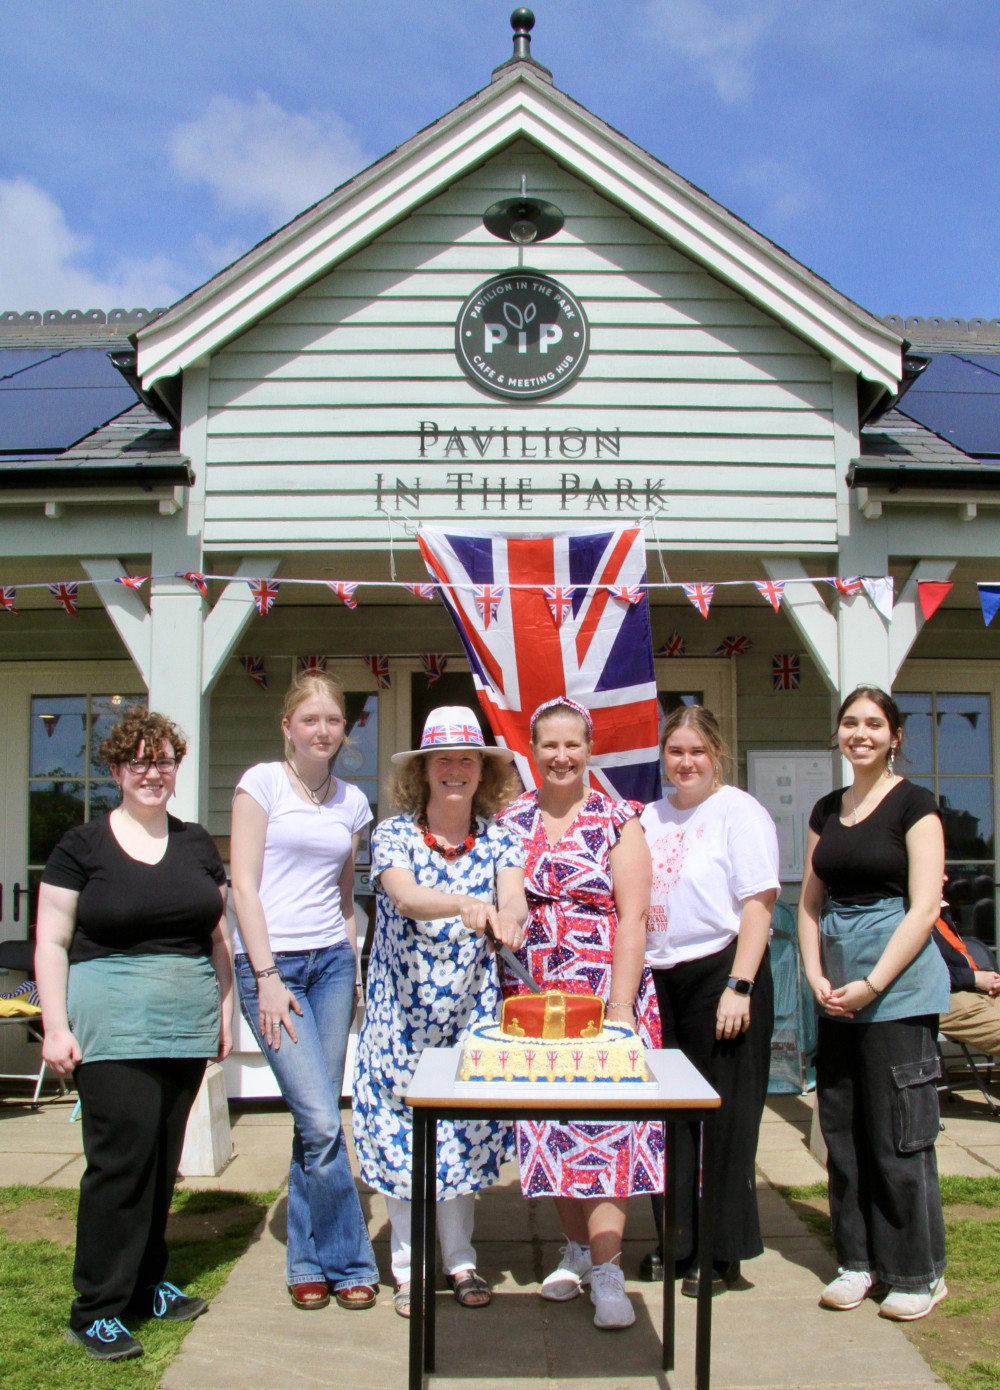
[(523, 219)]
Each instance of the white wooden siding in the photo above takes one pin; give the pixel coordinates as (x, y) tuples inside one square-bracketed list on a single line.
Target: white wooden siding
[(319, 405)]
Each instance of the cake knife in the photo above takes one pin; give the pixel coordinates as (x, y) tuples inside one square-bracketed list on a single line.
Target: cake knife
[(511, 961)]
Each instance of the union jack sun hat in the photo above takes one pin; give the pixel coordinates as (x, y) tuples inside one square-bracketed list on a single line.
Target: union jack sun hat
[(453, 726)]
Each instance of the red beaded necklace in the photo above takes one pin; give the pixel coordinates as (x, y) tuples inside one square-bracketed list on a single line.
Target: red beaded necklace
[(449, 852)]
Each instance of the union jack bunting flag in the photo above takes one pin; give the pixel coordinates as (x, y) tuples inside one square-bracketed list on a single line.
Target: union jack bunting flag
[(7, 593), (701, 596), (254, 667), (848, 587), (733, 646), (434, 665), (312, 665), (675, 645), (194, 577), (771, 589), (786, 671), (601, 654), (65, 595), (559, 597), (131, 581), (425, 591), (264, 591), (628, 593), (488, 600), (379, 667), (345, 592)]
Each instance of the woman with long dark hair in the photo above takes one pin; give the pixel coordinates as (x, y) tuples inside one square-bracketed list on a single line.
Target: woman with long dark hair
[(870, 897)]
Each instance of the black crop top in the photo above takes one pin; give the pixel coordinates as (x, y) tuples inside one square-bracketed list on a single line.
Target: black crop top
[(865, 862)]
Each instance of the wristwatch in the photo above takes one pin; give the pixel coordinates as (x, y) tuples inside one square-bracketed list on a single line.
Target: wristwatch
[(739, 985)]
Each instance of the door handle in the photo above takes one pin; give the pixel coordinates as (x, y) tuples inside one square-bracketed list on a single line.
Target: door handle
[(18, 890)]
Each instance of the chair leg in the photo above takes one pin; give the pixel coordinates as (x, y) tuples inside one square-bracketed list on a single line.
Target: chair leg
[(994, 1110)]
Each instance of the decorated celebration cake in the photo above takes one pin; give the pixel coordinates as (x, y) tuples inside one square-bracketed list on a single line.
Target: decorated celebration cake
[(533, 1042)]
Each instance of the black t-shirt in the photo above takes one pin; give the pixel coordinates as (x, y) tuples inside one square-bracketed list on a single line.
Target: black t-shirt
[(865, 862), (130, 908)]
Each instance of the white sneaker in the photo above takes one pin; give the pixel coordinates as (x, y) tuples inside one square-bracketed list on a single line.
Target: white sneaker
[(573, 1271), (848, 1289), (902, 1305), (607, 1294)]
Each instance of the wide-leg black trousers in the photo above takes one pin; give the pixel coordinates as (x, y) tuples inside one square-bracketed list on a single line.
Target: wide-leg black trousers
[(688, 995), (876, 1087), (134, 1114)]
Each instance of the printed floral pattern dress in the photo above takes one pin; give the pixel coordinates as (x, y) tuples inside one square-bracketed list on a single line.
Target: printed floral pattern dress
[(426, 982), (568, 946)]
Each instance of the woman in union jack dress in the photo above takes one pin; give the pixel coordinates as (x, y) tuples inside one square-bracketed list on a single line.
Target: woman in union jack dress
[(587, 877)]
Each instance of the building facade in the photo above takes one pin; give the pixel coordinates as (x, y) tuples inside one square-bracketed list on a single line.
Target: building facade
[(358, 374)]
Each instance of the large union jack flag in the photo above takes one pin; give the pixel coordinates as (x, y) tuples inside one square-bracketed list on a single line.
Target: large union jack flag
[(600, 654)]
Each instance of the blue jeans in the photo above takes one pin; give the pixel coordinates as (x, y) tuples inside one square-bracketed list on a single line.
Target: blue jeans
[(327, 1234)]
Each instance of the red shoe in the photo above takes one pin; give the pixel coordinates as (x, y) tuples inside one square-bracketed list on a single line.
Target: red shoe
[(309, 1296), (355, 1297)]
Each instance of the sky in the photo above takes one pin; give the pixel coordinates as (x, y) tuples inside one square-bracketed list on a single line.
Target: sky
[(144, 146)]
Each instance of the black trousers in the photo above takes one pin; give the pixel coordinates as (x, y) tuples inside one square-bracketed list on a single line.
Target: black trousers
[(878, 1109), (688, 995), (134, 1114)]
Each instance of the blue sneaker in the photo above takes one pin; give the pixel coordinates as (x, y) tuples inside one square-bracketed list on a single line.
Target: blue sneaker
[(106, 1339), (171, 1305)]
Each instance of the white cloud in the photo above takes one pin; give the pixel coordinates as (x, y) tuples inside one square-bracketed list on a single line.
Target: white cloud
[(43, 261), (718, 40), (257, 157)]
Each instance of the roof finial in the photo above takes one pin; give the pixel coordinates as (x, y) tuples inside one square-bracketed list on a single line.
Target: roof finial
[(522, 21)]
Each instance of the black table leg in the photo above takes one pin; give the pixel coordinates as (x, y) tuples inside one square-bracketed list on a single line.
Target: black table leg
[(668, 1226), (706, 1227), (430, 1240), (418, 1181)]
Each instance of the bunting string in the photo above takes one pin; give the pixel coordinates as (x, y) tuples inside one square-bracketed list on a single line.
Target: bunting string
[(877, 589)]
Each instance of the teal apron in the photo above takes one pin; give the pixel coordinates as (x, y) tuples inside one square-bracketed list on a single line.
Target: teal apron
[(852, 937)]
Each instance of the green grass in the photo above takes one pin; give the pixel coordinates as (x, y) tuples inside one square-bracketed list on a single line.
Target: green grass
[(36, 1289), (973, 1247)]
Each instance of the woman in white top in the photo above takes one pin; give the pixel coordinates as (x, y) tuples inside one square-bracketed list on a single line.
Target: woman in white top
[(295, 834), (715, 879)]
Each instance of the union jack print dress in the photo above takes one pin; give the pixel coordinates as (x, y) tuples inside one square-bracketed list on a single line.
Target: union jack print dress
[(568, 946)]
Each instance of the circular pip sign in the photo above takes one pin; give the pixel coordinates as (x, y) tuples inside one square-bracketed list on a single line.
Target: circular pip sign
[(521, 336)]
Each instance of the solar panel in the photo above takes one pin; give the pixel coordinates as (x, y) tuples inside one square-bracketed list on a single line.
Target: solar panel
[(49, 401), (959, 398)]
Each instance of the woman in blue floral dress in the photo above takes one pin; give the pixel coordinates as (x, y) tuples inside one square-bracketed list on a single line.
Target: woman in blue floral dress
[(443, 870)]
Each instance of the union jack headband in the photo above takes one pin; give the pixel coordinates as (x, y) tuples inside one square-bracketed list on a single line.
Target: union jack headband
[(565, 702)]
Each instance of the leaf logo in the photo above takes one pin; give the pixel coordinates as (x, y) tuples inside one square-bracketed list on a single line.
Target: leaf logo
[(514, 316)]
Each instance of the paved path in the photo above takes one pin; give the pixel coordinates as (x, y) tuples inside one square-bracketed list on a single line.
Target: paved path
[(771, 1335)]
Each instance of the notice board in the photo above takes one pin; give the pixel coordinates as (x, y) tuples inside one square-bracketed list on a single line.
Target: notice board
[(788, 784)]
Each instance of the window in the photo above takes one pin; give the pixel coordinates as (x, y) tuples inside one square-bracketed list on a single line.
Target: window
[(948, 748)]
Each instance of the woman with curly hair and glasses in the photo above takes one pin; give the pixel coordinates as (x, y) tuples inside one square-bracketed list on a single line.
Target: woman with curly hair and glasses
[(135, 980)]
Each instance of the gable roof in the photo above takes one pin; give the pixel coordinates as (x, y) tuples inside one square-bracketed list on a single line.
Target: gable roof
[(518, 103)]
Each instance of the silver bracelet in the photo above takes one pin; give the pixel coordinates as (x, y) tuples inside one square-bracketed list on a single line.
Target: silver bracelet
[(628, 1004), (263, 974)]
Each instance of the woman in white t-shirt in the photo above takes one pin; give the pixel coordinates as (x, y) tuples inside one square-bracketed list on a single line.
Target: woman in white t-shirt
[(295, 834), (715, 879)]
